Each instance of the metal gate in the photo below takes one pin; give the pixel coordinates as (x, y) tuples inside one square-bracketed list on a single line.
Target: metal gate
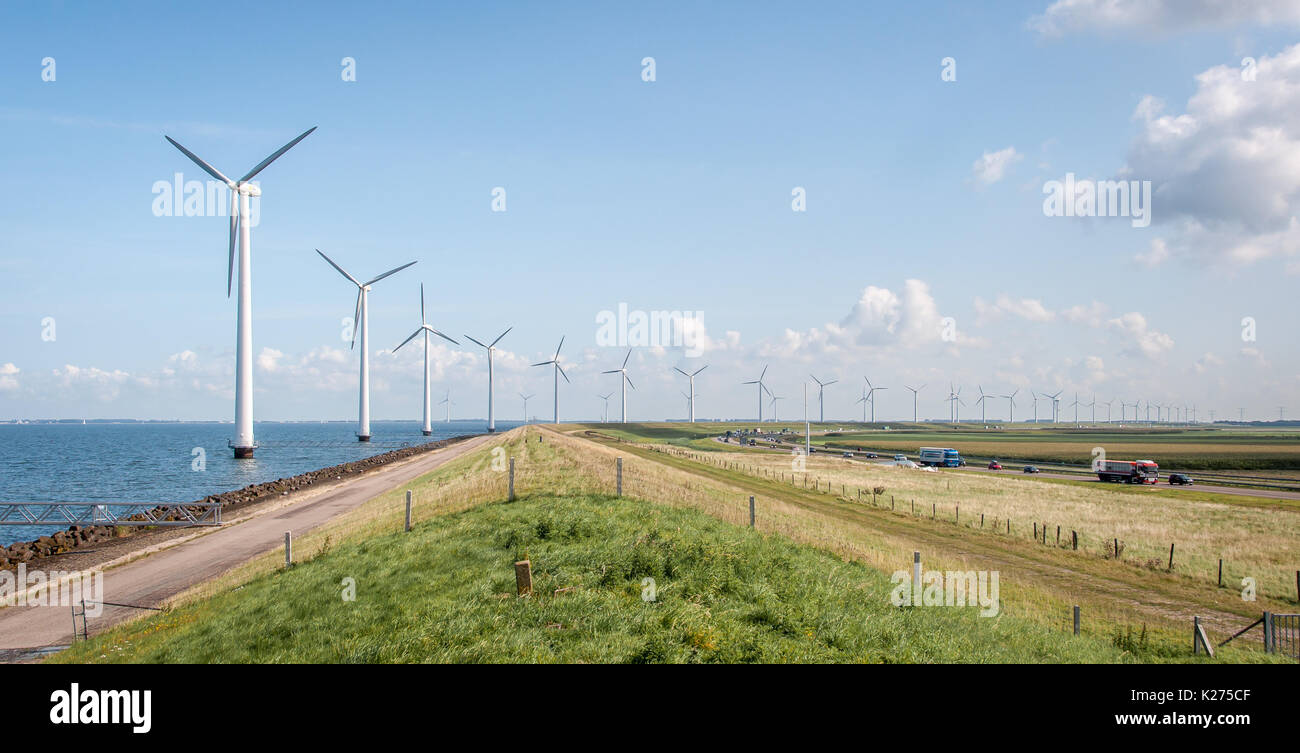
[(1282, 634)]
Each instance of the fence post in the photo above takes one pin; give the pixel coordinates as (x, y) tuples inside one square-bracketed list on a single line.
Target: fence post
[(1058, 535), (408, 510), (620, 477), (1074, 540), (1171, 556), (751, 511), (1076, 619), (512, 479), (916, 574), (523, 578), (288, 549), (1220, 572), (1268, 633)]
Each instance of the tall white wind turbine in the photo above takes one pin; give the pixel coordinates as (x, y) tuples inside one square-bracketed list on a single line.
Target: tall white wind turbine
[(1012, 404), (243, 444), (774, 399), (361, 322), (982, 404), (605, 418), (914, 391), (691, 397), (821, 404), (622, 370), (871, 396), (447, 402), (526, 399), (1056, 403), (559, 372), (492, 423), (761, 389), (425, 329)]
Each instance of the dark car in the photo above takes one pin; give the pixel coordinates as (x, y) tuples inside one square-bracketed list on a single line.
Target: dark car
[(1180, 479), (1031, 469), (995, 465), (872, 455)]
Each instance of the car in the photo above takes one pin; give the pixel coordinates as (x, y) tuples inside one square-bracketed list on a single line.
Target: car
[(1031, 469), (872, 455), (848, 454), (900, 457), (1180, 479), (995, 465)]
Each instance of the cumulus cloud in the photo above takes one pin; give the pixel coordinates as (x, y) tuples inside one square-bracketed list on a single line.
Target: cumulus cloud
[(8, 377), (269, 359), (992, 166), (1226, 171), (1141, 339), (1093, 314), (1160, 16)]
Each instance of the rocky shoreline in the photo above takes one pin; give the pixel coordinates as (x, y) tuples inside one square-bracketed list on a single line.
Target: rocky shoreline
[(75, 537)]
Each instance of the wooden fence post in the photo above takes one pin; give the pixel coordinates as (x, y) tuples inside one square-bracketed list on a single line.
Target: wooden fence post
[(1171, 556), (523, 578), (1220, 572), (512, 479), (1076, 619), (751, 511), (620, 477), (408, 510), (1074, 540)]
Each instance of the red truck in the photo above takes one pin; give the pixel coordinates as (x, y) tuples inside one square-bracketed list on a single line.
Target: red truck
[(1129, 471)]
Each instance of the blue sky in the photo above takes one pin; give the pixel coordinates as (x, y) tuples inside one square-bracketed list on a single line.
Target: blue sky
[(666, 195)]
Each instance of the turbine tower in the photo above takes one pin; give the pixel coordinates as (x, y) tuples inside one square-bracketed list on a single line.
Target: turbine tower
[(821, 403), (914, 391), (491, 348), (691, 397), (425, 329), (243, 444), (622, 370), (559, 372), (981, 403), (361, 321), (761, 389)]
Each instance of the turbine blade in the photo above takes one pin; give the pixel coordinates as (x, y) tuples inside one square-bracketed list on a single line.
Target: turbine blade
[(407, 340), (613, 371), (503, 334), (561, 370), (763, 373), (629, 355), (356, 320), (476, 342), (209, 169), (390, 272), (354, 280), (629, 382), (543, 363), (234, 231), (702, 368), (262, 165), (439, 334), (679, 371), (557, 349), (423, 320)]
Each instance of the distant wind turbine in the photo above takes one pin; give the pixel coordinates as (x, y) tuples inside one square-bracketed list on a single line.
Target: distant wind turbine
[(361, 321), (559, 372), (425, 329), (914, 390), (492, 424), (622, 370), (243, 443), (691, 377), (526, 399), (761, 389), (774, 399), (447, 401), (605, 418), (981, 402), (871, 397), (821, 391), (1011, 400)]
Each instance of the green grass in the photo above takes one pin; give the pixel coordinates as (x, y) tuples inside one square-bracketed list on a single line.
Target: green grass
[(445, 593)]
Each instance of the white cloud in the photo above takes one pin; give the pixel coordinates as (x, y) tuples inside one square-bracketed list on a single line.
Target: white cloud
[(8, 377), (1093, 314), (992, 166), (1226, 172), (1030, 309), (269, 359), (1160, 16), (1156, 255), (1141, 339)]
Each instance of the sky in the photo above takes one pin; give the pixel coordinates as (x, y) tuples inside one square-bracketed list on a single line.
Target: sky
[(847, 190)]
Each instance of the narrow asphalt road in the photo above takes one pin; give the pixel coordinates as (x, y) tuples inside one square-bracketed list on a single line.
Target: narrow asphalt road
[(154, 578)]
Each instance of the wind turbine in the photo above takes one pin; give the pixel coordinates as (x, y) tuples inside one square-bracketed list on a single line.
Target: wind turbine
[(980, 402), (425, 329), (761, 389), (1036, 396), (821, 403), (626, 382), (864, 400), (1093, 405), (688, 403), (361, 321), (1056, 402), (914, 391), (243, 443), (559, 372), (605, 418), (774, 399), (492, 424), (954, 400), (1012, 399), (1108, 404), (691, 377), (526, 398), (871, 396), (447, 401), (1076, 410)]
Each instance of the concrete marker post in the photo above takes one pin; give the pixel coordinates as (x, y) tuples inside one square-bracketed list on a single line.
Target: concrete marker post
[(619, 483), (288, 549), (1076, 619), (751, 511), (512, 479), (408, 510)]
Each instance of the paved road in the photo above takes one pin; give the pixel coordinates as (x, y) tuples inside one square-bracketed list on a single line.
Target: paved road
[(1018, 472), (155, 578)]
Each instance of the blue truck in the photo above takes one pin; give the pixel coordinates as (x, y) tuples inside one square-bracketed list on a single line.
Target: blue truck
[(943, 457)]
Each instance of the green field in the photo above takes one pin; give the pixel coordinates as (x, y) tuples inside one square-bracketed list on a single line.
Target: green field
[(445, 593), (1229, 449)]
